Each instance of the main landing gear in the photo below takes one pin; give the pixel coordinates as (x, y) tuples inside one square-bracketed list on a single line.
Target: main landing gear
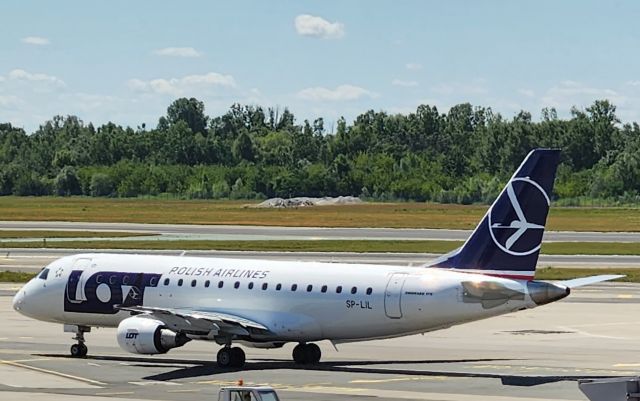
[(231, 357), (306, 354), (78, 350)]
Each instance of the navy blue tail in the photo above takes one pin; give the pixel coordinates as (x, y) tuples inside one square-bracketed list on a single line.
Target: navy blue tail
[(507, 241)]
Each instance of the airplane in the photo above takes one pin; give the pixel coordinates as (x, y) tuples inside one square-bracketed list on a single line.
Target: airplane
[(158, 303)]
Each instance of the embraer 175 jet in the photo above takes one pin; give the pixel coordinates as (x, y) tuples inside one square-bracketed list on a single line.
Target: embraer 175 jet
[(162, 302)]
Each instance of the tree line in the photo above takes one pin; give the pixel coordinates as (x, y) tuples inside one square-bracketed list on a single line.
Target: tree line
[(461, 156)]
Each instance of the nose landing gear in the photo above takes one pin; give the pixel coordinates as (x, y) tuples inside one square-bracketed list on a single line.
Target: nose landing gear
[(78, 350)]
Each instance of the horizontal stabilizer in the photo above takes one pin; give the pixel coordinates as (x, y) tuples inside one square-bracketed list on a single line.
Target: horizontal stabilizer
[(579, 282)]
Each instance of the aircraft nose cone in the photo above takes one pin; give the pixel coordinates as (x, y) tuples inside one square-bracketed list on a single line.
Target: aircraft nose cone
[(18, 300)]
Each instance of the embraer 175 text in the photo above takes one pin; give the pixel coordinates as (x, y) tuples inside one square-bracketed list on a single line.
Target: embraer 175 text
[(163, 302)]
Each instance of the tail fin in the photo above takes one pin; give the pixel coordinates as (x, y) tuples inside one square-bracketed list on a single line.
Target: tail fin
[(507, 241)]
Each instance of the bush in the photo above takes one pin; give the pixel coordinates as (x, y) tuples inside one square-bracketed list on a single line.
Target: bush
[(101, 185)]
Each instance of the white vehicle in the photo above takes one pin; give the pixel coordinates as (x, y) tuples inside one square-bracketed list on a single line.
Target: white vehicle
[(247, 393), (162, 302)]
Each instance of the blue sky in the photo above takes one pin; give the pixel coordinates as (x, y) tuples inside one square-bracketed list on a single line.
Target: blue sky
[(125, 61)]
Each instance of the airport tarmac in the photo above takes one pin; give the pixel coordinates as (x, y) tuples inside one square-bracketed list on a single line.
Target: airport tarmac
[(34, 259), (231, 232), (593, 333)]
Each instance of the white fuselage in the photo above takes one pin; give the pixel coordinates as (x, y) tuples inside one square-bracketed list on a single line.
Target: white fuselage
[(374, 302)]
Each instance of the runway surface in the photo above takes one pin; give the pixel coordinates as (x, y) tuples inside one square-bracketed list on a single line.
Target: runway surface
[(593, 333), (32, 260), (189, 231)]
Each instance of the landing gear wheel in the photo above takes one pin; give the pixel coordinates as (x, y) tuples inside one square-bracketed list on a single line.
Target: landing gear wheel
[(79, 350), (237, 357), (224, 357), (299, 354), (313, 353), (231, 357), (304, 354)]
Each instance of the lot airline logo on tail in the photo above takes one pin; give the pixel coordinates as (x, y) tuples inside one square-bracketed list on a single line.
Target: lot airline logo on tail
[(515, 221)]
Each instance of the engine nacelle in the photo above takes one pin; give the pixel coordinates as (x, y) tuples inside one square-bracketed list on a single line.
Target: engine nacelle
[(140, 335)]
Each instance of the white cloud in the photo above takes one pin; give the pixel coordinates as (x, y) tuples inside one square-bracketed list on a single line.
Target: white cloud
[(571, 93), (35, 40), (177, 52), (309, 25), (22, 75), (413, 66), (9, 101), (340, 93), (400, 82), (186, 84), (633, 83)]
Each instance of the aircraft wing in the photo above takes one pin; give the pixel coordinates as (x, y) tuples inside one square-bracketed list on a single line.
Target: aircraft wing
[(193, 321)]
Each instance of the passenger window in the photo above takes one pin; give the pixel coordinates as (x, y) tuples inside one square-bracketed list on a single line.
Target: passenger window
[(323, 289), (44, 274), (264, 286), (354, 290), (338, 289), (99, 279), (278, 287), (369, 291), (112, 280), (153, 281), (180, 283), (250, 285), (220, 284), (125, 280), (309, 288), (166, 281), (206, 284), (236, 285), (294, 287), (193, 283)]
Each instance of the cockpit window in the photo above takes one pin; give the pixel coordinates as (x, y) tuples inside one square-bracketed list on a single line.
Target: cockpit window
[(44, 274)]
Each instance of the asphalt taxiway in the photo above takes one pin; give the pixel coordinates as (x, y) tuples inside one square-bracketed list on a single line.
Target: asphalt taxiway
[(531, 355), (237, 232)]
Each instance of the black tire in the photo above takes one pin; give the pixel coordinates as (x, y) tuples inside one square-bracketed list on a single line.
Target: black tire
[(313, 353), (83, 350), (299, 354), (224, 357), (76, 350), (238, 357)]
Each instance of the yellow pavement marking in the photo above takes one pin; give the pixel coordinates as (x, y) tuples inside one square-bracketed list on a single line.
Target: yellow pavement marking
[(398, 379), (53, 372), (626, 296), (117, 393), (626, 365), (186, 390)]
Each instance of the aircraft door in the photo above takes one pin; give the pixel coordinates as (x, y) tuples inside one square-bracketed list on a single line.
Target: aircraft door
[(393, 295), (81, 264)]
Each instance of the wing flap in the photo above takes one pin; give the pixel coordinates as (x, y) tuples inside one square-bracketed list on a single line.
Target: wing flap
[(194, 321)]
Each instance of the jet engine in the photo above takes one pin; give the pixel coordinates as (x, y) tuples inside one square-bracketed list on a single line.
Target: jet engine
[(141, 335)]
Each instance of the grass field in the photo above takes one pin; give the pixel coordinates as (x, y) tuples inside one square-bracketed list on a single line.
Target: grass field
[(16, 234), (548, 273), (398, 215), (434, 246)]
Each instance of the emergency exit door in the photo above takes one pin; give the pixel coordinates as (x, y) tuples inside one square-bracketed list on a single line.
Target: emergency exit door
[(393, 296)]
